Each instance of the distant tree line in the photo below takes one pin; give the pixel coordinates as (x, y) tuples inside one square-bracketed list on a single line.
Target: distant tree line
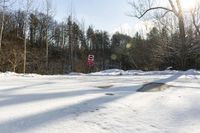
[(50, 47), (34, 42)]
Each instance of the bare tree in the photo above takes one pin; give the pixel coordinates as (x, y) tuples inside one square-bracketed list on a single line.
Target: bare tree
[(15, 59), (142, 7), (27, 11), (196, 17), (2, 21), (48, 13)]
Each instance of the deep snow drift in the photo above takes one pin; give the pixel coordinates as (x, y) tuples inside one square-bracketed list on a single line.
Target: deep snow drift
[(103, 102)]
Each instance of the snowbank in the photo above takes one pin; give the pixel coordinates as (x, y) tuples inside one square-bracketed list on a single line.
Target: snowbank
[(110, 72), (117, 72), (114, 72), (75, 74), (13, 74)]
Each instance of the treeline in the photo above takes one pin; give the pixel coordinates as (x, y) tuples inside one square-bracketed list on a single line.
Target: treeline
[(68, 42), (62, 47)]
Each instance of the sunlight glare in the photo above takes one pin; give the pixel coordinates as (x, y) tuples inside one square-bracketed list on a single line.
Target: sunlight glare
[(188, 4)]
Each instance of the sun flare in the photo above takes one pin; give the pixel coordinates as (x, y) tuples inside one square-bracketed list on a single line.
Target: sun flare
[(188, 4)]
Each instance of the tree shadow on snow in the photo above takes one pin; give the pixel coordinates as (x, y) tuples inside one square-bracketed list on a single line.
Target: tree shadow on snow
[(27, 123), (7, 90), (29, 98)]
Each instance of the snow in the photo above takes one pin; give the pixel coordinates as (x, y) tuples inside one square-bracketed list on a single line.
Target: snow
[(117, 72), (78, 102)]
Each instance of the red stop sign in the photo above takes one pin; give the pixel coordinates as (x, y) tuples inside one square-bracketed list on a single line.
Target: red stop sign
[(90, 61)]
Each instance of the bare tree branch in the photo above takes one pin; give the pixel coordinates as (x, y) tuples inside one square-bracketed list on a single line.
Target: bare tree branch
[(153, 8), (194, 22), (173, 8)]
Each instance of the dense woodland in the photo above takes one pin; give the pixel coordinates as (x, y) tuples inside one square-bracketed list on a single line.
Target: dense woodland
[(32, 41)]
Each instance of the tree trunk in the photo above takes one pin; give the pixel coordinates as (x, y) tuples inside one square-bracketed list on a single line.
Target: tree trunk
[(2, 23), (24, 70), (103, 45), (72, 54), (183, 50), (48, 11), (47, 50), (28, 5)]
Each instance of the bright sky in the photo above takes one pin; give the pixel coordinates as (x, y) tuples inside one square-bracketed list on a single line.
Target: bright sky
[(109, 15)]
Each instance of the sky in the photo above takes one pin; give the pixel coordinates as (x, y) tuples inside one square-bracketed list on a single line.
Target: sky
[(109, 15)]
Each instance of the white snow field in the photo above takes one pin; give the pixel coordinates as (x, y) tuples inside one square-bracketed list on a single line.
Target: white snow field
[(103, 102)]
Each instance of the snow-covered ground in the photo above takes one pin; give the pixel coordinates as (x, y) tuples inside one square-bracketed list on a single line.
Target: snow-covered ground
[(103, 102)]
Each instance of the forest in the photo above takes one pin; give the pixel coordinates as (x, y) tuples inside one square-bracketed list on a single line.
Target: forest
[(32, 41)]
